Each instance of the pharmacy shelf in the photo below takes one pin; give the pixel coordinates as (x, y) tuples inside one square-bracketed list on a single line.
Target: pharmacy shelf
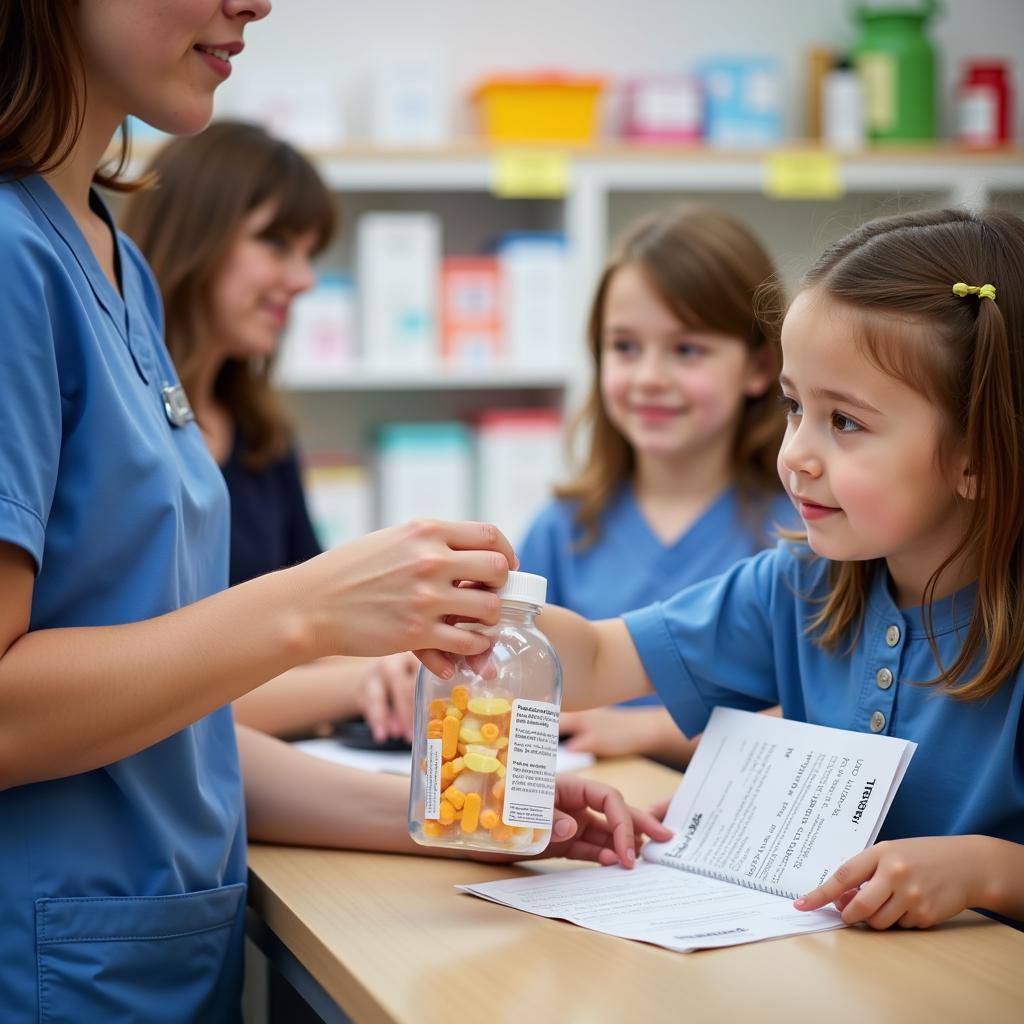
[(438, 378), (471, 166)]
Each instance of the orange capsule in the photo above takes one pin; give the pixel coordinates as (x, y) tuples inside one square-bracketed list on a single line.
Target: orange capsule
[(447, 774), (460, 697), (471, 813), (437, 708), (503, 833), (435, 729), (434, 828), (446, 812), (498, 790), (489, 818), (449, 737), (455, 797), (489, 732)]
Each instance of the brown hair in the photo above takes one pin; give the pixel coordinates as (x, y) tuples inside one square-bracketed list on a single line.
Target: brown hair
[(42, 91), (967, 356), (207, 185), (709, 270)]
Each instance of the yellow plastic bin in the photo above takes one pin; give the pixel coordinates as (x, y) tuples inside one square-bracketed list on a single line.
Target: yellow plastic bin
[(539, 108)]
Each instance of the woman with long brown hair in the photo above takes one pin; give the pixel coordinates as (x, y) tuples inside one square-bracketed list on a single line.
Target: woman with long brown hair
[(230, 232), (122, 846)]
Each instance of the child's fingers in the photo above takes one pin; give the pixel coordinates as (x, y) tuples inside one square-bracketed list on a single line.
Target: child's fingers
[(660, 809), (646, 823), (848, 876)]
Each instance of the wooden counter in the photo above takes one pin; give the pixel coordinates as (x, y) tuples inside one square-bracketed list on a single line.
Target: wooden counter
[(387, 939)]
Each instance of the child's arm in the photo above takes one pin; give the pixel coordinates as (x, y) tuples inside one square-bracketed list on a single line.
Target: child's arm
[(916, 883), (600, 664)]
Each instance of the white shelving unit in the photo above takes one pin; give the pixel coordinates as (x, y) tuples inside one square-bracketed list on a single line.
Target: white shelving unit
[(608, 186)]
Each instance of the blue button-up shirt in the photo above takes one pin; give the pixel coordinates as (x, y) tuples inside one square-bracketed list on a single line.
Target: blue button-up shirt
[(741, 640)]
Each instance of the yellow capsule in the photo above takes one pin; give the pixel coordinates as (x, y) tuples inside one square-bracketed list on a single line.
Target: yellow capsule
[(500, 770), (449, 738), (446, 812), (451, 711), (437, 708), (489, 706), (434, 828), (455, 797), (460, 697), (470, 813), (488, 818), (498, 790), (489, 732), (457, 765), (501, 742), (468, 735), (482, 763), (435, 729)]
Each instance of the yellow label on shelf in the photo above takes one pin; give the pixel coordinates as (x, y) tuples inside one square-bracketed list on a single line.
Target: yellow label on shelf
[(803, 176), (530, 174)]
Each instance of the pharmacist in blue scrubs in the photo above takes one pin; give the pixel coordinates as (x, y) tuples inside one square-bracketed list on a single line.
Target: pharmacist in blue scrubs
[(122, 827)]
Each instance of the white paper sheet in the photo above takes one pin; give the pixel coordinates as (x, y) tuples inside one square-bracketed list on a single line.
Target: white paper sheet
[(770, 806), (400, 762)]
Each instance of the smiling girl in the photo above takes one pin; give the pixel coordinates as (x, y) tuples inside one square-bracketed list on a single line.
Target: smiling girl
[(679, 481), (900, 609)]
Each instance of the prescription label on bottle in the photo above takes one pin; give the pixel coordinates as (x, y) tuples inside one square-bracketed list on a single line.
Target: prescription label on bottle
[(530, 777), (432, 782)]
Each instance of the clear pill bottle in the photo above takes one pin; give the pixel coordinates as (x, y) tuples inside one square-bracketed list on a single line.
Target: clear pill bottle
[(483, 768)]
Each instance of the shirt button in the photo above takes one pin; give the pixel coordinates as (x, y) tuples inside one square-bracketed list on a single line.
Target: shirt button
[(892, 636), (877, 722), (884, 678)]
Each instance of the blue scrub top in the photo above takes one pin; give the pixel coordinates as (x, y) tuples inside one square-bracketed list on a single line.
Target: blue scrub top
[(122, 888), (629, 566), (740, 640)]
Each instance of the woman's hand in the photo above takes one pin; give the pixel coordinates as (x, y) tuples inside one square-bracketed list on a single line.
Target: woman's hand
[(912, 883), (593, 822), (387, 696), (398, 590)]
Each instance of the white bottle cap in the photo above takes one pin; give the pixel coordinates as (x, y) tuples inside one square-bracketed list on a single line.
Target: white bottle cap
[(524, 586)]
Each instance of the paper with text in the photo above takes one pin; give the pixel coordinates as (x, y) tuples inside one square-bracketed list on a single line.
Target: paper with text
[(766, 811)]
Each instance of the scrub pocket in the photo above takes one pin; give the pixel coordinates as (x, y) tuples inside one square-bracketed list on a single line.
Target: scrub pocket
[(157, 959)]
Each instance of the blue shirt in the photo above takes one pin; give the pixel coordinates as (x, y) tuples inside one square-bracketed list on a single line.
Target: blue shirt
[(629, 566), (740, 640), (122, 888)]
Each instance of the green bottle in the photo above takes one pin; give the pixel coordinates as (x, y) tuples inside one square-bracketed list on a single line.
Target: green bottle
[(896, 62)]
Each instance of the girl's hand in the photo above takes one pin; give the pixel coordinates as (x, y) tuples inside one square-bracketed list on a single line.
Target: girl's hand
[(609, 732), (398, 590), (912, 883), (593, 822), (387, 696)]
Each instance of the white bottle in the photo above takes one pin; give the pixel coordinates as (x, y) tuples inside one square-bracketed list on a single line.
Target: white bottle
[(842, 108)]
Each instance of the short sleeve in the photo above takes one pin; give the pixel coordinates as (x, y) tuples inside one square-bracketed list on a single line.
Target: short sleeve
[(30, 389), (540, 551), (712, 643)]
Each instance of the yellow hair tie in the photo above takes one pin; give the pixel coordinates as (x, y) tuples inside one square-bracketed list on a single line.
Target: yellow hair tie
[(984, 291)]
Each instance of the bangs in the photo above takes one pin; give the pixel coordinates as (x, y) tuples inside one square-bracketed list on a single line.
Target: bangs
[(302, 201)]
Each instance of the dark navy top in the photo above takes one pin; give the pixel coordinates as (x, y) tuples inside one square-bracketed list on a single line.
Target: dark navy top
[(270, 526)]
